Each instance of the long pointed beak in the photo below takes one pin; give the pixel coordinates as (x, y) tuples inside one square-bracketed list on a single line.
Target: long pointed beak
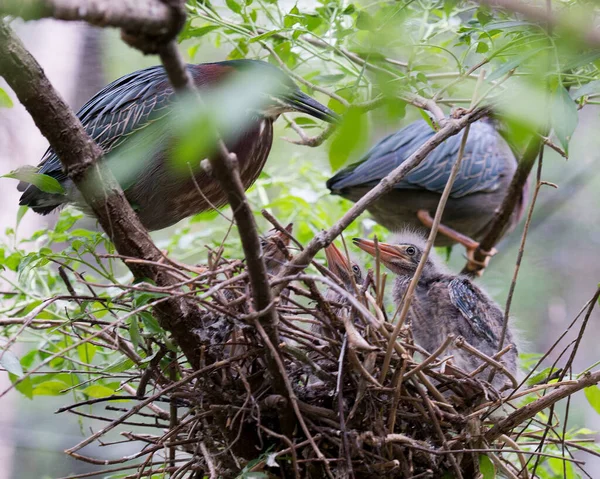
[(302, 103), (387, 252), (285, 239), (336, 261)]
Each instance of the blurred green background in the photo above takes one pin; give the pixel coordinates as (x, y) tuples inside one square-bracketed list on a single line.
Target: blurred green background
[(561, 266)]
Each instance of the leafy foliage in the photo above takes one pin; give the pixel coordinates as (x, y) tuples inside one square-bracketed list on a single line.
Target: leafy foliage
[(367, 62)]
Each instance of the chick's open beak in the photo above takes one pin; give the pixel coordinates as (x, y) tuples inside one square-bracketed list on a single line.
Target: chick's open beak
[(387, 252), (285, 239), (336, 261)]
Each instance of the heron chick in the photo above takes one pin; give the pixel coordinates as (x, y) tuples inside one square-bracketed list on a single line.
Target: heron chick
[(445, 304)]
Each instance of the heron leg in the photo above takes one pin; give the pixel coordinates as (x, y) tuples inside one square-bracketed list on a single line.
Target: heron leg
[(469, 243)]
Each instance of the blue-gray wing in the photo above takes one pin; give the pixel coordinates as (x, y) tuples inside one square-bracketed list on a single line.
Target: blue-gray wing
[(123, 107), (472, 305), (486, 157)]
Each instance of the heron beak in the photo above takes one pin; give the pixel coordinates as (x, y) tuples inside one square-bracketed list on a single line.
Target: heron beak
[(387, 252), (336, 261), (302, 103), (285, 239), (274, 235)]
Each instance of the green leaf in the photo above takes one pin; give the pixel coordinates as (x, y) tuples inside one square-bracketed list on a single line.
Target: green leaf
[(364, 21), (560, 467), (292, 18), (484, 17), (536, 378), (13, 261), (52, 387), (134, 332), (564, 116), (486, 467), (5, 100), (98, 391), (311, 21), (121, 365), (482, 47), (86, 352), (197, 32), (44, 182), (20, 213), (511, 65), (11, 363), (351, 136), (592, 394), (25, 387), (150, 323), (234, 6)]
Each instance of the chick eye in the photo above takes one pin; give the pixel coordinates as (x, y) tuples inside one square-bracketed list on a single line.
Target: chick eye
[(411, 250), (355, 268)]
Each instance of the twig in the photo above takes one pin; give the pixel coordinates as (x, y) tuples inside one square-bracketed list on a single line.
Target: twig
[(514, 195), (432, 235), (530, 410), (80, 157), (325, 238)]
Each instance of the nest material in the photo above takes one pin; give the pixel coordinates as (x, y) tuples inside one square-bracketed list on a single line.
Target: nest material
[(344, 418)]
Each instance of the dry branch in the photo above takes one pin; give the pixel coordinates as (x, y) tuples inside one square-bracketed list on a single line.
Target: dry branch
[(148, 17), (325, 238), (80, 158), (516, 191)]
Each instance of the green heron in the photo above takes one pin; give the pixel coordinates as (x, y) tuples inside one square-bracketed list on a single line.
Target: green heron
[(217, 327), (445, 304), (485, 174), (349, 273), (274, 245), (162, 195)]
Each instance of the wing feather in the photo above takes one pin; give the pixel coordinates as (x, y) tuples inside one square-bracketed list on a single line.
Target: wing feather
[(480, 170), (470, 303)]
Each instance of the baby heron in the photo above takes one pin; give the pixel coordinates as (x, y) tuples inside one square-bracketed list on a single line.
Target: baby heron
[(445, 304)]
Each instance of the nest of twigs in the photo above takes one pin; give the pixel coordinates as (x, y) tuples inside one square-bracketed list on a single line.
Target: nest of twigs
[(350, 395)]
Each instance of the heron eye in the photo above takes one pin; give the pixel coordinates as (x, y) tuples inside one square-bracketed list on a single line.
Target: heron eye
[(411, 251)]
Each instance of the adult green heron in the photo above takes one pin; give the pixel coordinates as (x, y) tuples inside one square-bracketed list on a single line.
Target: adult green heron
[(445, 304), (486, 171), (161, 194)]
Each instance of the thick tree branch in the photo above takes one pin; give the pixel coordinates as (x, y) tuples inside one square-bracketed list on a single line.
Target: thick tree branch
[(451, 127), (147, 17), (79, 156), (530, 410), (513, 196), (226, 171)]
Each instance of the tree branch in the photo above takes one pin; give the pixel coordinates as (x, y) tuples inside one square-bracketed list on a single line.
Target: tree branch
[(148, 17), (226, 171), (325, 238), (502, 217), (80, 157), (531, 409)]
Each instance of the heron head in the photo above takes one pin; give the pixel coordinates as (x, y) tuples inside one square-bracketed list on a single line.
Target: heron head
[(279, 92), (401, 258), (348, 271), (274, 245)]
